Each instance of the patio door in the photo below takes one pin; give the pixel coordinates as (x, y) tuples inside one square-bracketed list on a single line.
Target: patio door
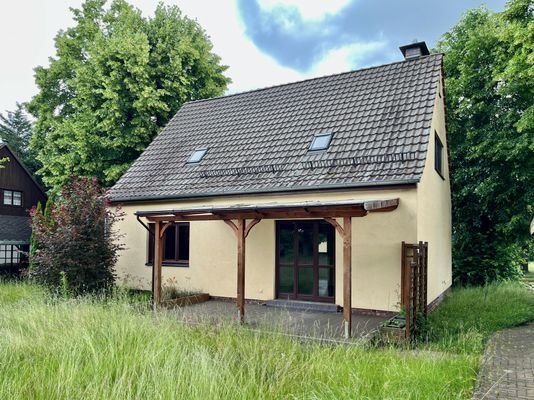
[(305, 264)]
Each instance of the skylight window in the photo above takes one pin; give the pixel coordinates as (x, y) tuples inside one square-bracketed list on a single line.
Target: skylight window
[(321, 141), (197, 155)]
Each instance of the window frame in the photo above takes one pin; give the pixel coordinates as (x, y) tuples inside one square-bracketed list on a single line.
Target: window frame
[(202, 151), (330, 135), (176, 262), (438, 155), (12, 197), (15, 252)]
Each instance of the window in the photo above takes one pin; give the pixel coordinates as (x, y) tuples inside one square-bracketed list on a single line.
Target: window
[(175, 245), (12, 198), (438, 155), (197, 156), (321, 141), (9, 254)]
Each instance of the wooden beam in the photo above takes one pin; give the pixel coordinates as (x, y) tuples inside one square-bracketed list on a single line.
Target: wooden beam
[(251, 225), (233, 226), (156, 268), (347, 276), (335, 224), (164, 228), (241, 236)]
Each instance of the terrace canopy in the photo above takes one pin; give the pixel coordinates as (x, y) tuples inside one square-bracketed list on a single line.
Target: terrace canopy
[(241, 218)]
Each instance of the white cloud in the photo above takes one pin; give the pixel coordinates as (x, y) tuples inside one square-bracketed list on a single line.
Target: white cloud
[(344, 58), (308, 9), (249, 67)]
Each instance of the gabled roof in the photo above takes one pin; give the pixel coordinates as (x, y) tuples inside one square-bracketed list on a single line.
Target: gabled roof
[(258, 141), (23, 166)]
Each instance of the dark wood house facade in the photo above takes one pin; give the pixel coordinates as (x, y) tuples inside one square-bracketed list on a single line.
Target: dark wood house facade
[(19, 192)]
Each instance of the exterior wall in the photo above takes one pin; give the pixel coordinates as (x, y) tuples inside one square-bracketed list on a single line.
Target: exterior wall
[(213, 250), (434, 208), (14, 177)]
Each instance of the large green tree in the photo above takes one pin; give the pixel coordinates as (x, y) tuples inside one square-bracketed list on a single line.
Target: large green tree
[(16, 130), (489, 76), (116, 79)]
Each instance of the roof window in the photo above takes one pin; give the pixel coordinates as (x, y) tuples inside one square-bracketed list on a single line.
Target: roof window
[(321, 141), (197, 156)]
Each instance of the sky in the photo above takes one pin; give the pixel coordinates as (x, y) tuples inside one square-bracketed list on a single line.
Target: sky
[(264, 42)]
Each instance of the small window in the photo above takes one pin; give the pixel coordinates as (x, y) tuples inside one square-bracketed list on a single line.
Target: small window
[(175, 245), (197, 156), (438, 155), (321, 141), (12, 198), (10, 255)]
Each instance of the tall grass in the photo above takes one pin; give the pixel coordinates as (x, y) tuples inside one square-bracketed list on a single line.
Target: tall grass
[(53, 348), (466, 319)]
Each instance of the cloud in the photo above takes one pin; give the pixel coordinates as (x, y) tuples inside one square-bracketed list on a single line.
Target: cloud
[(308, 9), (300, 34)]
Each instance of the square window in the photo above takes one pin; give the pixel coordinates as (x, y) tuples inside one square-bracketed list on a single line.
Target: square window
[(175, 245), (321, 142), (197, 156)]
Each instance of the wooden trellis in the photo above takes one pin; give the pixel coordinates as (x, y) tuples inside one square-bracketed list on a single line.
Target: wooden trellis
[(414, 277)]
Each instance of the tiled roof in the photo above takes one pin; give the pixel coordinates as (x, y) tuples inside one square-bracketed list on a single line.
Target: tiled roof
[(14, 229), (259, 141)]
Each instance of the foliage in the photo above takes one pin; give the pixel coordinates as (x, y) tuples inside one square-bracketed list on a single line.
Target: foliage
[(15, 129), (88, 348), (34, 245), (76, 240), (466, 319), (3, 161), (117, 78), (489, 75)]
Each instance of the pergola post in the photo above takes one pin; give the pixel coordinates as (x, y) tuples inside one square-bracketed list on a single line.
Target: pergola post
[(347, 275), (241, 235), (156, 267)]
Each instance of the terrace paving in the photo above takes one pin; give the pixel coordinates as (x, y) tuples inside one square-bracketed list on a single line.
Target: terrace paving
[(309, 324)]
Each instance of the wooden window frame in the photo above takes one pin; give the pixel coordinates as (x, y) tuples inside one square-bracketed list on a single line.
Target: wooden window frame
[(12, 198), (167, 262)]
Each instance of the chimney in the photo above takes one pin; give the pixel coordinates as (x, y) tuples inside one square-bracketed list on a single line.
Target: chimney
[(414, 50)]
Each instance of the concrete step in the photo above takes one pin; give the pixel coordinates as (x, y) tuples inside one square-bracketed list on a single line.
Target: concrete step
[(303, 305)]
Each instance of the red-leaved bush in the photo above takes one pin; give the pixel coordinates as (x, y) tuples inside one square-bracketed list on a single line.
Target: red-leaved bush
[(77, 245)]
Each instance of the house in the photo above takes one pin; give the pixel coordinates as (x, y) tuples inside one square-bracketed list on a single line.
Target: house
[(304, 191), (19, 192)]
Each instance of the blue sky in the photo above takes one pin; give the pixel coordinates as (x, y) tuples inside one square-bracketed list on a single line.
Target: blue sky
[(264, 42)]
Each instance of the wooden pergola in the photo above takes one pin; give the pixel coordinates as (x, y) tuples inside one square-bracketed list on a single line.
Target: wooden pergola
[(241, 218)]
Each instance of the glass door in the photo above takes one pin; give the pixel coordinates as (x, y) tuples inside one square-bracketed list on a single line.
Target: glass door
[(305, 260)]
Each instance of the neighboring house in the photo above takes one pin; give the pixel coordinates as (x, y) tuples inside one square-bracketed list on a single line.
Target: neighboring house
[(361, 153), (19, 192)]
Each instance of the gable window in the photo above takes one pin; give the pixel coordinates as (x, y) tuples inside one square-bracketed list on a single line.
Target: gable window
[(175, 245), (12, 198), (321, 141), (438, 154), (197, 156)]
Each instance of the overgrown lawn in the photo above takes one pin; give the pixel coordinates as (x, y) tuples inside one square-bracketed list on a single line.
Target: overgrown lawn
[(94, 349)]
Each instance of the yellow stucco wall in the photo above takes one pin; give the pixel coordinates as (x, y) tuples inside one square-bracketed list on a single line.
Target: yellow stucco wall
[(212, 268), (434, 208)]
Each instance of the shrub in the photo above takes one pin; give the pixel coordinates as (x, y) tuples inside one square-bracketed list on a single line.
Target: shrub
[(77, 242)]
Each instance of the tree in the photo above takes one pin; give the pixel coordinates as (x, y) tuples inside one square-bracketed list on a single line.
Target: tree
[(117, 78), (489, 77), (15, 129), (76, 240)]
